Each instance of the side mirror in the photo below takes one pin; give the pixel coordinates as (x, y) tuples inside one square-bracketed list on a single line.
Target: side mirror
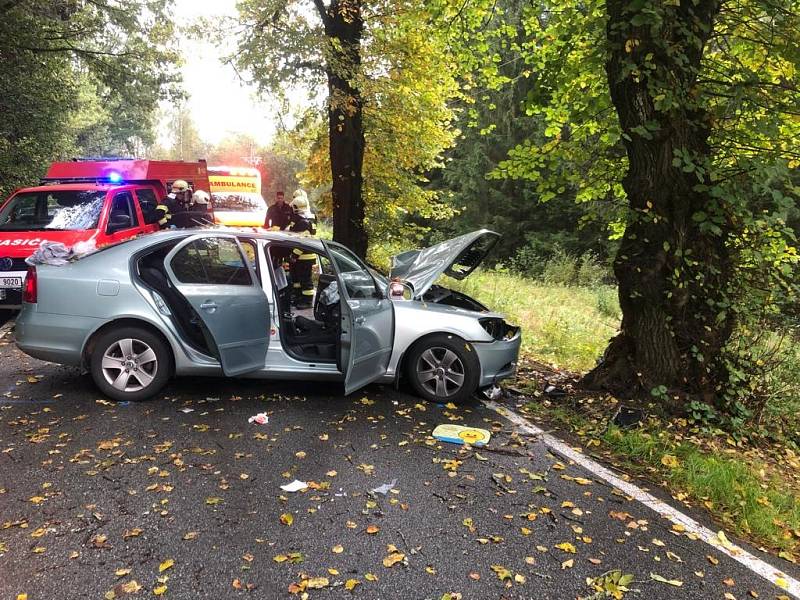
[(399, 290), (118, 222)]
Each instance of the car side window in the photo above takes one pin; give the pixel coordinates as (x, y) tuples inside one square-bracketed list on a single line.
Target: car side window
[(122, 206), (357, 280), (211, 261), (148, 202)]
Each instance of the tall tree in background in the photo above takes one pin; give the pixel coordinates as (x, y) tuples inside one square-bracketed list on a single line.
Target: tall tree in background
[(386, 117), (684, 110), (79, 77), (283, 45)]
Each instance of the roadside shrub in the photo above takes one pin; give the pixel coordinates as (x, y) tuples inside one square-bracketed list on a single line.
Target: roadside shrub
[(527, 262), (561, 268), (590, 272), (608, 301)]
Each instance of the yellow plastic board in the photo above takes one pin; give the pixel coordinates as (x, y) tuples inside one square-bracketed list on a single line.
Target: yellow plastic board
[(459, 434)]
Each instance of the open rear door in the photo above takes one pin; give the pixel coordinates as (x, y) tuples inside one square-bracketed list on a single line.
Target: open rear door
[(367, 321), (211, 272)]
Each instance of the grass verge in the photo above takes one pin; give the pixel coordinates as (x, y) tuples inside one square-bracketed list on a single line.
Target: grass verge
[(742, 490), (567, 327)]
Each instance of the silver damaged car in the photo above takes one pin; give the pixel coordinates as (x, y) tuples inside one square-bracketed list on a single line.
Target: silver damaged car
[(267, 305)]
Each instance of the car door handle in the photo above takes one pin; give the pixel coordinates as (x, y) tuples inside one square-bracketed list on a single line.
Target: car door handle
[(209, 306), (360, 320)]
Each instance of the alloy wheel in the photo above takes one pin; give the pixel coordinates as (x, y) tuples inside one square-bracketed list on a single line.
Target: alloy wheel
[(129, 365), (440, 371)]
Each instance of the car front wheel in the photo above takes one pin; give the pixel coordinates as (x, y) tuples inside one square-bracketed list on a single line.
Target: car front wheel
[(130, 363), (443, 368)]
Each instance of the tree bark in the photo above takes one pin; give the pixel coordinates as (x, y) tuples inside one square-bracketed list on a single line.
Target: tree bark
[(672, 267), (344, 27)]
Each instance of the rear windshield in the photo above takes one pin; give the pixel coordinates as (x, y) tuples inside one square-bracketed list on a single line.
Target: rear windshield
[(61, 210), (245, 202)]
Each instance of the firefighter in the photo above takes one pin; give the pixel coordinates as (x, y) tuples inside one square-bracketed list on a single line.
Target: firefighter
[(300, 221), (279, 215), (197, 213), (174, 203), (303, 262)]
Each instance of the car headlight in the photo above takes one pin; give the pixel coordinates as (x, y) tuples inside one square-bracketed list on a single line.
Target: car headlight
[(498, 328)]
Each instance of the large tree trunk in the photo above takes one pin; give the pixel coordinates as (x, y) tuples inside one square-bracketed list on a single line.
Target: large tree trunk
[(344, 27), (672, 266)]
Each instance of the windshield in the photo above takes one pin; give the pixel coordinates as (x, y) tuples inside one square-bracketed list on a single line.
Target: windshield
[(52, 209), (244, 202)]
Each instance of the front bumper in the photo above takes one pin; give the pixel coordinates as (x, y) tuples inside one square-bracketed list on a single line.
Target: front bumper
[(54, 338), (498, 359)]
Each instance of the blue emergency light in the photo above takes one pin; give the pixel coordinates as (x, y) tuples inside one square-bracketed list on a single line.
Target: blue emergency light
[(114, 177)]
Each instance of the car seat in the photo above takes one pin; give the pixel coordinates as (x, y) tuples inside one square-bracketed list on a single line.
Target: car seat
[(188, 320)]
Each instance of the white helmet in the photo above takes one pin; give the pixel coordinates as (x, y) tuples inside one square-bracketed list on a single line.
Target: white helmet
[(299, 203), (200, 197)]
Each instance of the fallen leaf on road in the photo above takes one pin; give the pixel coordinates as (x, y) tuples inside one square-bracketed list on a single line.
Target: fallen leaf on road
[(191, 535), (129, 533), (568, 564), (160, 590), (316, 583), (122, 572), (566, 547), (372, 529), (287, 519), (660, 579), (165, 565), (393, 558), (131, 587), (502, 572), (337, 549), (350, 584)]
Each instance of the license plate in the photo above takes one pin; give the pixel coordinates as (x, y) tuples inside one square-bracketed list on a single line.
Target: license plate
[(12, 281)]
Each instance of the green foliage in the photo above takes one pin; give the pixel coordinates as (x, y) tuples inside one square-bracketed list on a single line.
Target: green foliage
[(493, 120), (406, 83), (78, 78), (730, 108)]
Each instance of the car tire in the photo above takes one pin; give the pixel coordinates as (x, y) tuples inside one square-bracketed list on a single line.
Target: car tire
[(130, 364), (443, 368)]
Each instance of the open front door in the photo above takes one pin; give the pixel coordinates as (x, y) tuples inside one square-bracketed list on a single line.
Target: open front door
[(211, 272), (367, 321)]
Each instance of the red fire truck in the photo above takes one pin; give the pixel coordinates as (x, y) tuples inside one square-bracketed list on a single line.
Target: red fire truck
[(104, 200)]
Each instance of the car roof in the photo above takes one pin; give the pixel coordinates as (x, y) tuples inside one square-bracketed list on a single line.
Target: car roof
[(151, 239)]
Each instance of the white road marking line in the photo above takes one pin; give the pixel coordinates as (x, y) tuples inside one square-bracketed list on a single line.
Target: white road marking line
[(758, 566)]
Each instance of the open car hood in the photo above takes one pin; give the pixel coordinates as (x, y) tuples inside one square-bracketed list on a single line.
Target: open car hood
[(457, 258)]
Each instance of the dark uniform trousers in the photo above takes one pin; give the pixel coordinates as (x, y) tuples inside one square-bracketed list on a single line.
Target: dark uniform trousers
[(300, 269)]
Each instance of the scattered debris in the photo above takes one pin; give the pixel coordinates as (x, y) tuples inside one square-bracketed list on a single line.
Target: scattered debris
[(186, 410), (260, 418), (493, 393), (554, 392), (295, 486), (385, 488), (627, 416), (459, 434)]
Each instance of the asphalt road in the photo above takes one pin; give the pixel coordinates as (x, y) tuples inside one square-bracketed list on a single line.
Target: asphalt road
[(96, 495)]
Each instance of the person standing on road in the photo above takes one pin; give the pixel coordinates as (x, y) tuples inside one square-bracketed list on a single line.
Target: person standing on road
[(279, 215)]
